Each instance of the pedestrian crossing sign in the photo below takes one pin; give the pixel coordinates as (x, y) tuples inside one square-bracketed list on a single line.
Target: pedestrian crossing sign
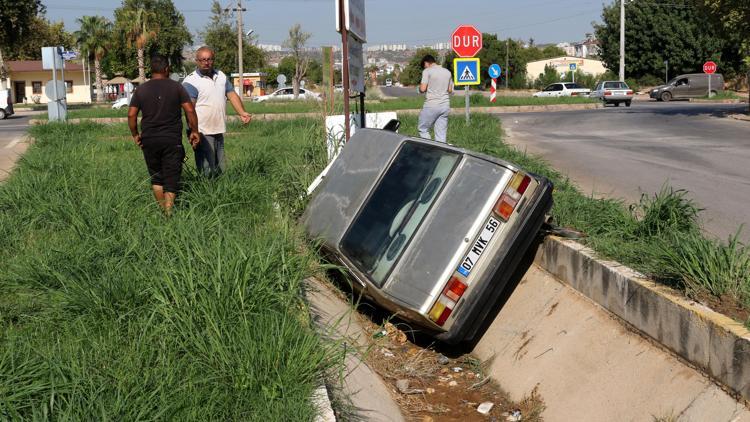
[(466, 71)]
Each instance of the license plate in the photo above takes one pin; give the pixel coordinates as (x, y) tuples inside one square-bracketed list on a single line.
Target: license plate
[(480, 245)]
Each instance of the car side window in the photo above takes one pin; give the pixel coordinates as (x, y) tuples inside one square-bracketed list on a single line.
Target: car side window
[(598, 86), (549, 88), (557, 87), (682, 81)]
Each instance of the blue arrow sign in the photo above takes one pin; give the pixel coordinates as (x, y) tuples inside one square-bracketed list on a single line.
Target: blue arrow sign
[(495, 71), (466, 71)]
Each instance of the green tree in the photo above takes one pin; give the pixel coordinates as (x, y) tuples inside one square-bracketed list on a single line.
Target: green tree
[(172, 36), (296, 42), (412, 73), (655, 33), (15, 24), (42, 33), (287, 67), (93, 40), (731, 20), (221, 35), (140, 27)]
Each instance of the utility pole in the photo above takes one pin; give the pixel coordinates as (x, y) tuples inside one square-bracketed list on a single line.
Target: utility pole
[(507, 46), (622, 40), (239, 9)]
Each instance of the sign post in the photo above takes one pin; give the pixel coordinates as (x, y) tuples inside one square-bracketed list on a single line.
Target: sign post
[(494, 71), (466, 73), (709, 68), (572, 68), (466, 41), (350, 22)]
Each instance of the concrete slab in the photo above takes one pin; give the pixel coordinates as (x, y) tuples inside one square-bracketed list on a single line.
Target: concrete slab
[(588, 365), (369, 395)]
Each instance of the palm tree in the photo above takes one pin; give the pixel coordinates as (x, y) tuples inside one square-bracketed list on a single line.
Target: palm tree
[(93, 39), (141, 28)]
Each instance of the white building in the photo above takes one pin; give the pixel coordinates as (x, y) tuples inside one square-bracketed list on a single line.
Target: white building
[(562, 66)]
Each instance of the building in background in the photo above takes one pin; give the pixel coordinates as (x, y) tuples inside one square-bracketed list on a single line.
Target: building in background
[(27, 82), (255, 83), (562, 65)]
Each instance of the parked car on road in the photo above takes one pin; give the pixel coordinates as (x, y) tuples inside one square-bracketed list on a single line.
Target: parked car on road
[(389, 82), (120, 103), (563, 89), (288, 94), (429, 231), (6, 104), (613, 92), (692, 85)]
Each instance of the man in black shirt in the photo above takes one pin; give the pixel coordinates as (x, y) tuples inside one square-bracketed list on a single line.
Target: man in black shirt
[(161, 100)]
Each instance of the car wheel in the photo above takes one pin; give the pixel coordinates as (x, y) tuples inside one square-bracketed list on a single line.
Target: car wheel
[(2, 114), (714, 93), (666, 96), (616, 104), (627, 103)]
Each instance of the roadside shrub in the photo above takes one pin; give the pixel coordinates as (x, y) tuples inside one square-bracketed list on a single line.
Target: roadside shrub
[(477, 99), (549, 76), (668, 211), (650, 80), (706, 265)]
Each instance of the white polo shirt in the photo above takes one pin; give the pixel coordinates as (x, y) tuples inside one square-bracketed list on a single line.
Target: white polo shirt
[(210, 95)]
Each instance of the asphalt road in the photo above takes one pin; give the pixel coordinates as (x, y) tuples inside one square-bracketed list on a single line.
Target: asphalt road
[(12, 130), (622, 152)]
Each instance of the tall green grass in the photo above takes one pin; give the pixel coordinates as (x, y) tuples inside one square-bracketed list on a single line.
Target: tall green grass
[(660, 235), (110, 311)]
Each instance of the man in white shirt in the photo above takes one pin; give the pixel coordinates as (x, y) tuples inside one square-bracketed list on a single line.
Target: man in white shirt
[(437, 85), (209, 89)]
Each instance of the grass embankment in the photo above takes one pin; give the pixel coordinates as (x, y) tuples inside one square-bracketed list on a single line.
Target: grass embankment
[(110, 311), (659, 236), (402, 103)]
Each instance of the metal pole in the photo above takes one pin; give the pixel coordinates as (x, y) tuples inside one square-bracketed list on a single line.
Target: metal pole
[(622, 40), (466, 94), (62, 74), (331, 89), (344, 67), (709, 85), (507, 49), (666, 71), (239, 47), (54, 88), (362, 109)]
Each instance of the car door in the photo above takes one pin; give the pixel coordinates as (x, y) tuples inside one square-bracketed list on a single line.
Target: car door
[(681, 88), (698, 85)]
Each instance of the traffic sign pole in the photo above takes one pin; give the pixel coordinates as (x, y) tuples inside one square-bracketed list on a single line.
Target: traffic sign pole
[(466, 94), (709, 68)]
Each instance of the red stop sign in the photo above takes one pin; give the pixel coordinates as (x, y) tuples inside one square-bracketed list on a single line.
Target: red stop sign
[(709, 67), (466, 41)]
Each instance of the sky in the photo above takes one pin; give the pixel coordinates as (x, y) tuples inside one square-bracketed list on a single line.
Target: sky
[(413, 22)]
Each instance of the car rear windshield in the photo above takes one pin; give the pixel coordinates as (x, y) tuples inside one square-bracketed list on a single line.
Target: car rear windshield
[(615, 85), (390, 217)]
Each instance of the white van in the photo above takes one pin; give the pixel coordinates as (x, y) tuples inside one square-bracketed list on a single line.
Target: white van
[(6, 104)]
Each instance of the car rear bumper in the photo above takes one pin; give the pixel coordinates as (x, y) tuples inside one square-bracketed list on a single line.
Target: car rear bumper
[(477, 306), (610, 98)]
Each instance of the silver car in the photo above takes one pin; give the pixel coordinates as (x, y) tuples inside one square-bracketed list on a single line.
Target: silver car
[(613, 92), (429, 231)]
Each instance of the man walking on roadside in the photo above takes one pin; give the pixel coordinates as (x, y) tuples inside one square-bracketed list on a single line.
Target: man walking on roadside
[(161, 101), (437, 85), (209, 89)]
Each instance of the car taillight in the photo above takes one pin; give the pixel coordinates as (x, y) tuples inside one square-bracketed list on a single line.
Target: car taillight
[(447, 301), (630, 92), (573, 94), (509, 199), (607, 92)]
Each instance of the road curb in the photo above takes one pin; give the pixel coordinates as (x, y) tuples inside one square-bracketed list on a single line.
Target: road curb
[(336, 320), (290, 116), (725, 101), (712, 342)]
